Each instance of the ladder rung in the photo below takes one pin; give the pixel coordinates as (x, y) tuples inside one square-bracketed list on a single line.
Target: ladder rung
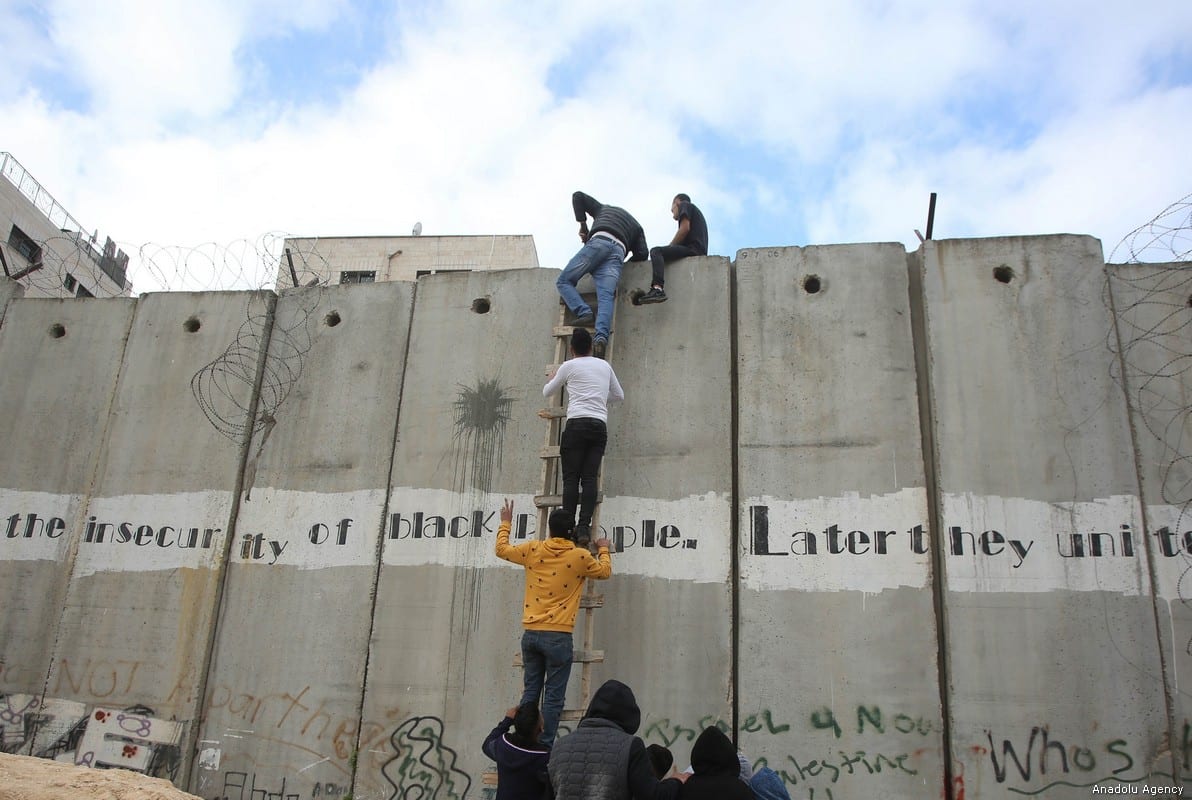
[(564, 331), (550, 368), (572, 715), (550, 451), (577, 657), (556, 500), (553, 412), (595, 601), (589, 298), (489, 777)]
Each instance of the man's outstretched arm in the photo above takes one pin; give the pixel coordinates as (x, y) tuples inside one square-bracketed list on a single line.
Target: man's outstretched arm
[(516, 553)]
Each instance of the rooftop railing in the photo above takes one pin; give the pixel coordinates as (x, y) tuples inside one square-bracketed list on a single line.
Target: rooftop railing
[(113, 266)]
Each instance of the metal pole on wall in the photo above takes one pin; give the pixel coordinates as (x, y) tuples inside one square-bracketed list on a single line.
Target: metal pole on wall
[(931, 215)]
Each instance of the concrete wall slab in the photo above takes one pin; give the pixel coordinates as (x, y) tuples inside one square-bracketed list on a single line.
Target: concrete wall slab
[(833, 520), (1048, 613), (139, 614), (60, 360), (666, 627), (290, 655), (448, 620), (1151, 310)]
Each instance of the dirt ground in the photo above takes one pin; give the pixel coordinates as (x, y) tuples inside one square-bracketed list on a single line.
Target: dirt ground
[(24, 778)]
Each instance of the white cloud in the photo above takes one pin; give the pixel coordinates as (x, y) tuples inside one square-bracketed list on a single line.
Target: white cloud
[(480, 117)]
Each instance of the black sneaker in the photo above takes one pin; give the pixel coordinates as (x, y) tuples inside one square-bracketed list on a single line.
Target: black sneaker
[(583, 534), (599, 347), (586, 321), (655, 295)]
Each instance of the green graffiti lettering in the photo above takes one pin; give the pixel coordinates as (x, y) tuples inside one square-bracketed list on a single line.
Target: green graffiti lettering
[(824, 718), (874, 715)]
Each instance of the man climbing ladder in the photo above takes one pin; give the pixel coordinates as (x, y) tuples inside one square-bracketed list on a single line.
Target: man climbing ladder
[(555, 572), (591, 385)]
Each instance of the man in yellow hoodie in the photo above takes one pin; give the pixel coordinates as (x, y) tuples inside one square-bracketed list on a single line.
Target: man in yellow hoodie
[(555, 573)]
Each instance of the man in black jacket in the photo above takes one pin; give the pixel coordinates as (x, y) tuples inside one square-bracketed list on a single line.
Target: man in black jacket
[(613, 235), (602, 759), (691, 239)]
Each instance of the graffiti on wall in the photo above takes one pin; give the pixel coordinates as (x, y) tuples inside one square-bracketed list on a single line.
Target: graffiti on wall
[(1035, 761), (480, 414), (64, 730), (424, 767)]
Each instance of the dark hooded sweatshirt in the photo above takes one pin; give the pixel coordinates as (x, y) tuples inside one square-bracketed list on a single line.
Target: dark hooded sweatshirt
[(716, 770), (521, 769), (602, 759)]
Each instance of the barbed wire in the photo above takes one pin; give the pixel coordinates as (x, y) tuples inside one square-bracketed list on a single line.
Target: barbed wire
[(1166, 238), (223, 387), (1149, 296)]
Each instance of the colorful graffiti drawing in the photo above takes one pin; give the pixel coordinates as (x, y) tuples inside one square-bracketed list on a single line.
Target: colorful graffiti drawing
[(63, 730)]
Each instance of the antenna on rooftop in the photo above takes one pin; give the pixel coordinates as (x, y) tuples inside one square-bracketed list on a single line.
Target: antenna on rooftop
[(417, 228)]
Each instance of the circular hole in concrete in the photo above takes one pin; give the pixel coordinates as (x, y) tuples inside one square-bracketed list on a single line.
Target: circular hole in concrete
[(481, 305), (1003, 274), (192, 325), (811, 284), (57, 330), (332, 319)]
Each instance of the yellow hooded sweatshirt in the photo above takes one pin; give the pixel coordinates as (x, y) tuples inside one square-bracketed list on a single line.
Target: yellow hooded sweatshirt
[(555, 572)]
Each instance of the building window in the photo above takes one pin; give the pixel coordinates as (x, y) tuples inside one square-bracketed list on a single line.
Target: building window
[(358, 277), (69, 282), (81, 291), (20, 241)]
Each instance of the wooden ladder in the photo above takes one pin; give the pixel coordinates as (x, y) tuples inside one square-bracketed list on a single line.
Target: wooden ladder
[(552, 497)]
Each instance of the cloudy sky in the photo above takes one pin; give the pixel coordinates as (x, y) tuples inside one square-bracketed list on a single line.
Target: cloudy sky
[(174, 124)]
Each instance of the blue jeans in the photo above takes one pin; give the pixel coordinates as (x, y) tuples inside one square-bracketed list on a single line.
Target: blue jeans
[(602, 258), (546, 656)]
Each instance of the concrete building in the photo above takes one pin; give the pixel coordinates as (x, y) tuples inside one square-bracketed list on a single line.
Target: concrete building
[(374, 259), (47, 250)]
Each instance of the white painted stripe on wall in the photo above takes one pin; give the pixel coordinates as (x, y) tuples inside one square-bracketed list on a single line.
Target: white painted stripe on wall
[(29, 530), (827, 544), (1170, 543), (308, 530), (145, 532), (1011, 544), (673, 539)]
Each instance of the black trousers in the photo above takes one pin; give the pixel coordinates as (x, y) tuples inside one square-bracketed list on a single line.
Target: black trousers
[(581, 448), (672, 252)]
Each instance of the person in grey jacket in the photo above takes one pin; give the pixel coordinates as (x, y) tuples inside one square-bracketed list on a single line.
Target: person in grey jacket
[(614, 234), (603, 759)]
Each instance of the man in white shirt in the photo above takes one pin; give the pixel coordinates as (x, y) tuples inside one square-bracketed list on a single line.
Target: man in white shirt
[(591, 386)]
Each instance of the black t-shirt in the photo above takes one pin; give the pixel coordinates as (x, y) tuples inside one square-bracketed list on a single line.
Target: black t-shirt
[(697, 236)]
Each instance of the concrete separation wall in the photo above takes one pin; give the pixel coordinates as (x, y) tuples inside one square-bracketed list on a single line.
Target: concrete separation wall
[(447, 624), (833, 526), (903, 533), (668, 483), (1047, 593), (60, 360), (1150, 303), (293, 631)]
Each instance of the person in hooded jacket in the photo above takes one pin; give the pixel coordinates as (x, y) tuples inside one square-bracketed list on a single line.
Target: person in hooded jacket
[(521, 758), (603, 759), (716, 771)]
